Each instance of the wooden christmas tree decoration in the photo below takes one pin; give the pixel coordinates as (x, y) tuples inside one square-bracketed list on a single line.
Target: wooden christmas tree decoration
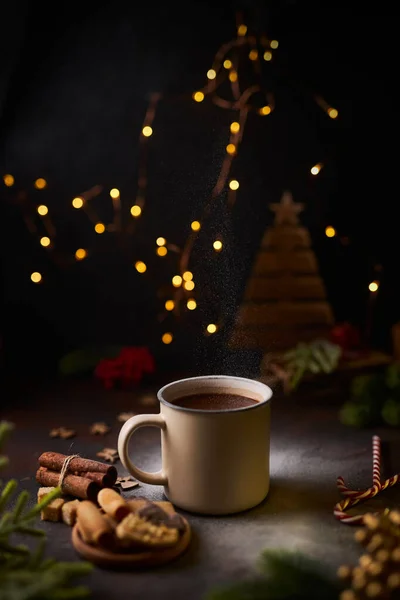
[(285, 300)]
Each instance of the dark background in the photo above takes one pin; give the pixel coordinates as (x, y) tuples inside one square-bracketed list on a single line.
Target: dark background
[(74, 87)]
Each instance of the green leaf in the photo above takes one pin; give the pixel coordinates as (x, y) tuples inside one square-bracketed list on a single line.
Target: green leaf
[(392, 376), (356, 414), (84, 360), (391, 412), (319, 356), (362, 384)]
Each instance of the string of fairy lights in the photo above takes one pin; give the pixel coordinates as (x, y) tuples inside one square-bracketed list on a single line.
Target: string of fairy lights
[(224, 71)]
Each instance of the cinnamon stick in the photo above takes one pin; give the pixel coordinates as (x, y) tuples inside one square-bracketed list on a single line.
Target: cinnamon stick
[(93, 526), (80, 487), (54, 461), (102, 479), (113, 504)]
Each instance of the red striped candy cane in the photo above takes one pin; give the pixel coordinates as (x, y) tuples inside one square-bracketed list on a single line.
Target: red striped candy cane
[(394, 480), (376, 471), (354, 496), (341, 507), (376, 461)]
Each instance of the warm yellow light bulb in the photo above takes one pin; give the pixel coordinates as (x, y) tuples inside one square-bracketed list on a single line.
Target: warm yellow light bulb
[(267, 55), (373, 286), (198, 96), (235, 127), (231, 149), (8, 180), (217, 245), (40, 183), (140, 266), (162, 251), (242, 30), (233, 76), (211, 328), (233, 184), (253, 55), (211, 74), (227, 63), (333, 113), (265, 110), (160, 241), (315, 169), (169, 305), (36, 277), (45, 241), (77, 202), (80, 254), (167, 338), (136, 211), (189, 285), (147, 131), (195, 225), (191, 304), (99, 228), (187, 276), (114, 193), (274, 44), (42, 210), (330, 231), (177, 281)]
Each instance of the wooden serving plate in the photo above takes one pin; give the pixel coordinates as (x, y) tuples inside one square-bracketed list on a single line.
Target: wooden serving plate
[(149, 558)]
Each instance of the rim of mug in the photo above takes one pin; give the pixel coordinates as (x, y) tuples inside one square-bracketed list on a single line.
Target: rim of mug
[(259, 384)]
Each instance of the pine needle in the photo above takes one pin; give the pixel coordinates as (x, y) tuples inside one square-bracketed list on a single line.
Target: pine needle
[(36, 510), (7, 492), (20, 505)]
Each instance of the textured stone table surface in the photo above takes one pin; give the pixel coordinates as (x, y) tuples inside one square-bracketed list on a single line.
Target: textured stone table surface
[(309, 449)]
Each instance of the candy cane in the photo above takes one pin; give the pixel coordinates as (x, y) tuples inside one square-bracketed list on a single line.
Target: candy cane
[(376, 461), (376, 471), (344, 490), (354, 496)]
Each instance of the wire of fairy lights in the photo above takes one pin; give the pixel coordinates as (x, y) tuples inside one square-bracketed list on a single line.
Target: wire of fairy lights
[(145, 134), (224, 69)]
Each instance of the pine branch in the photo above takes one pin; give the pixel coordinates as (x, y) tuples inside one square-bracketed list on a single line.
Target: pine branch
[(284, 576), (315, 357), (26, 574)]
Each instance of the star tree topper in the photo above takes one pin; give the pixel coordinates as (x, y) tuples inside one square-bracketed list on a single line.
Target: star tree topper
[(286, 210)]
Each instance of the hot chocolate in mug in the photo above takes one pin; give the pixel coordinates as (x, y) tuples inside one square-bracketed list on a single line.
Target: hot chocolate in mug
[(215, 459)]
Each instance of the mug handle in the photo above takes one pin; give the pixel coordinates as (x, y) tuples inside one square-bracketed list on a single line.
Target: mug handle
[(125, 434)]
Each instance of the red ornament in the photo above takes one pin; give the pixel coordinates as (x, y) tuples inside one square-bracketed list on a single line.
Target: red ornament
[(346, 336), (127, 369)]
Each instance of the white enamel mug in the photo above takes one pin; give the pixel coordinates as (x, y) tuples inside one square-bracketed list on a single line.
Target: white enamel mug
[(213, 461)]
